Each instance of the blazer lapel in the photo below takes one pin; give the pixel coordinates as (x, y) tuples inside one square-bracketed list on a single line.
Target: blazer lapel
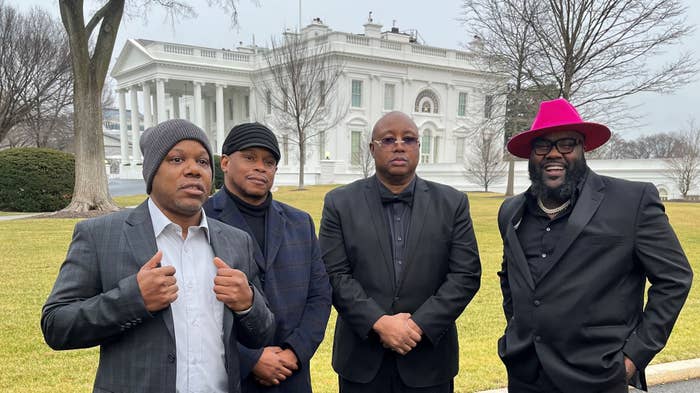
[(586, 206), (419, 213), (274, 229), (229, 214), (513, 242), (219, 247), (376, 212), (142, 241)]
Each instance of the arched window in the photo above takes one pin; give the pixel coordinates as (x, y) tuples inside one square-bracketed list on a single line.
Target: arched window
[(427, 102)]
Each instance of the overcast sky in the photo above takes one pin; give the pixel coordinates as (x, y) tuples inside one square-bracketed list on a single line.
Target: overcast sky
[(436, 22)]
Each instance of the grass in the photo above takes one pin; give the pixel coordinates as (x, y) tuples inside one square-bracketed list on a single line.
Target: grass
[(33, 249)]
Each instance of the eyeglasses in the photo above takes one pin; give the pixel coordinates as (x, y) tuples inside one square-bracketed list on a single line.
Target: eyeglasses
[(388, 142), (542, 147)]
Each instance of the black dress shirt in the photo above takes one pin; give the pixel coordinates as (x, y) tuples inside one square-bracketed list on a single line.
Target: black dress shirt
[(397, 212)]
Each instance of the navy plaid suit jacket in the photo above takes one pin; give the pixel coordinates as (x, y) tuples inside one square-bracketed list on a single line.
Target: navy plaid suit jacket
[(294, 281), (96, 301)]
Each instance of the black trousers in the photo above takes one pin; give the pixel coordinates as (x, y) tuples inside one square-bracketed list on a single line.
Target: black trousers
[(543, 384), (388, 380)]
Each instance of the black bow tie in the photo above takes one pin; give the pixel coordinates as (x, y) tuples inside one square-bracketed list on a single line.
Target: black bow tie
[(405, 197)]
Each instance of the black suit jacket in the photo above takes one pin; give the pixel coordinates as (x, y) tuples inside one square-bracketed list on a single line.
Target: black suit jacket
[(587, 311), (441, 276)]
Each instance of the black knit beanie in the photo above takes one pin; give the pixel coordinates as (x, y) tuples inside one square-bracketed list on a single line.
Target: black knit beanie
[(157, 141), (247, 135)]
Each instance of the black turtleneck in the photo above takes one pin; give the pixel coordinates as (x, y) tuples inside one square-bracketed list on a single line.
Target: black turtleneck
[(254, 215)]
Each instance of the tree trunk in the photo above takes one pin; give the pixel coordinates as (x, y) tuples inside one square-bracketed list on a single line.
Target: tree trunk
[(91, 191), (511, 176), (302, 161)]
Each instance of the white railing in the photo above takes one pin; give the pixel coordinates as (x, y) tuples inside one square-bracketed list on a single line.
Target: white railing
[(234, 56), (426, 50), (177, 49), (357, 40), (390, 45), (208, 53)]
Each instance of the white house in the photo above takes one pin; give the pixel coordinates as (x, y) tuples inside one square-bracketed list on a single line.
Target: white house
[(443, 90)]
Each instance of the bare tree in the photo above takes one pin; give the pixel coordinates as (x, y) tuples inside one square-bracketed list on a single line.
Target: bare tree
[(299, 87), (363, 156), (34, 67), (90, 58), (684, 169), (597, 52), (485, 165), (507, 45)]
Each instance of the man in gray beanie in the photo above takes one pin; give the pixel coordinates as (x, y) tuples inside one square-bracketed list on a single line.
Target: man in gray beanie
[(286, 248), (163, 290)]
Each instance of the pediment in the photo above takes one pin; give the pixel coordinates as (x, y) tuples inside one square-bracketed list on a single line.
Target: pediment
[(132, 55)]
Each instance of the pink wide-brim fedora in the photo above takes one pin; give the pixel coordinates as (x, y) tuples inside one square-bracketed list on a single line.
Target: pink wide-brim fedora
[(553, 116)]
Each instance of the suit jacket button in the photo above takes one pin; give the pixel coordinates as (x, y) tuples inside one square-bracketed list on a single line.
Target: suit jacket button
[(171, 357), (538, 338), (537, 303)]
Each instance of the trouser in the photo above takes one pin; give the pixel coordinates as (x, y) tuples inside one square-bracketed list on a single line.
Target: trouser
[(543, 384), (388, 380)]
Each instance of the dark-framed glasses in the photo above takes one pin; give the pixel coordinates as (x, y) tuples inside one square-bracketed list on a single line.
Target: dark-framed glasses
[(388, 142), (542, 147)]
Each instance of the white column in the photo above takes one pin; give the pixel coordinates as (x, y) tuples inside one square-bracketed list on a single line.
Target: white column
[(253, 99), (147, 112), (176, 106), (135, 152), (123, 131), (219, 117), (198, 115), (160, 99)]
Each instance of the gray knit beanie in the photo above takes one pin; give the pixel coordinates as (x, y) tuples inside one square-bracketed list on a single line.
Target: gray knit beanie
[(157, 141)]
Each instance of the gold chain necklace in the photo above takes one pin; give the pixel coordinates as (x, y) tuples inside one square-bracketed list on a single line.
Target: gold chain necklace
[(556, 210)]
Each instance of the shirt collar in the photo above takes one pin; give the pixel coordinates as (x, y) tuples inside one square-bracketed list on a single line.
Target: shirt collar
[(160, 221)]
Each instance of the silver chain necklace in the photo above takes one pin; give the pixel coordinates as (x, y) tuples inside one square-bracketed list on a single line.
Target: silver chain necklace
[(556, 210)]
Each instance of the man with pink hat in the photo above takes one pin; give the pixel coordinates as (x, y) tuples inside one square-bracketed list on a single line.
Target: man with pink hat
[(578, 249)]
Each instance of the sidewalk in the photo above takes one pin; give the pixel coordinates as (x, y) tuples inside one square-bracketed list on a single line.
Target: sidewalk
[(658, 373), (17, 216)]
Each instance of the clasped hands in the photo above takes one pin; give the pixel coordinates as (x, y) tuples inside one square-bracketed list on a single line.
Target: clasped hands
[(275, 365), (158, 285), (398, 332)]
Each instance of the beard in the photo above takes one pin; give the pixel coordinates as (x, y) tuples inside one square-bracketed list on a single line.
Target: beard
[(574, 173)]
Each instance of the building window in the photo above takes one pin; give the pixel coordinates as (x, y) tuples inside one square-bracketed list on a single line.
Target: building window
[(355, 147), (356, 93), (427, 102), (436, 149), (322, 93), (230, 108), (462, 105), (268, 102), (460, 150), (322, 145), (425, 147), (246, 106), (488, 106), (285, 149), (389, 93)]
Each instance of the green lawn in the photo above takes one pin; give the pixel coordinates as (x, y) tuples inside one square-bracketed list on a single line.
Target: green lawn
[(33, 249)]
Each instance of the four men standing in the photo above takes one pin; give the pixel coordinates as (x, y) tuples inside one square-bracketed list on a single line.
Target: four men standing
[(169, 293)]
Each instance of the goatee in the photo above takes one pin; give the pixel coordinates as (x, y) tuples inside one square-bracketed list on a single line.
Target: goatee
[(574, 173)]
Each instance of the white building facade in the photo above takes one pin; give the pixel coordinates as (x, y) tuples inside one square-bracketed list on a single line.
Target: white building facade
[(441, 89)]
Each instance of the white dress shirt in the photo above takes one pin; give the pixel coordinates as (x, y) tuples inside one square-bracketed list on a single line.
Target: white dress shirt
[(197, 314)]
